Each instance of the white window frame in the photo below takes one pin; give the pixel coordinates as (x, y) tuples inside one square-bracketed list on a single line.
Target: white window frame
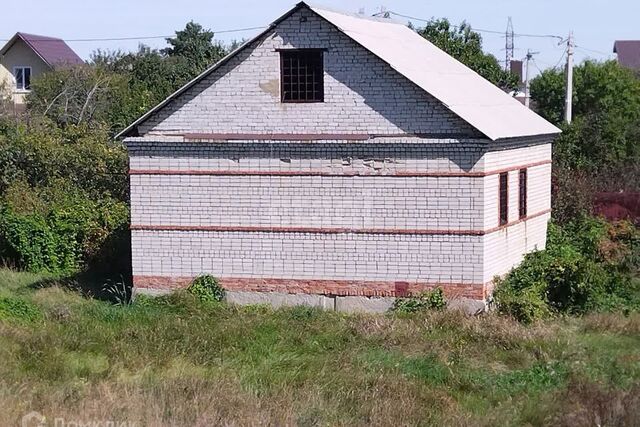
[(23, 67)]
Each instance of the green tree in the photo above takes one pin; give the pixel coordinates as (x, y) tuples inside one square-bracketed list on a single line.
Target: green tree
[(76, 95), (149, 76), (597, 87), (465, 45), (606, 122), (196, 46)]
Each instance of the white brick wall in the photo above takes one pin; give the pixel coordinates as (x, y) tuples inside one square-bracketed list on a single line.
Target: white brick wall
[(352, 202), (362, 93), (505, 248), (308, 256), (375, 198), (539, 181)]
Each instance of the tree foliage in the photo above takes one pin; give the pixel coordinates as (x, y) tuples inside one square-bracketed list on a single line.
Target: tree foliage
[(118, 87), (76, 95), (195, 45), (465, 45), (599, 151), (597, 87), (606, 108), (63, 180)]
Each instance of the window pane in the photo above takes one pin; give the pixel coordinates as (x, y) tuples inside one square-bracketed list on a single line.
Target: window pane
[(522, 207), (19, 78), (27, 78), (503, 198)]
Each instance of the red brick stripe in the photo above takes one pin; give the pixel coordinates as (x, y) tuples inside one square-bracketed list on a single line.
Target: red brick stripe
[(320, 287), (326, 230), (518, 221), (320, 230), (314, 136), (400, 174)]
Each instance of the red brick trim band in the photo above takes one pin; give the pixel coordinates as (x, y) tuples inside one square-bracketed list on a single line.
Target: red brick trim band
[(400, 174), (518, 221), (326, 230), (369, 288), (314, 136)]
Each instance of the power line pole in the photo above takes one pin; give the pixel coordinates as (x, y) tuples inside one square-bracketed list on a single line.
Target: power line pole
[(527, 96), (509, 45), (569, 83)]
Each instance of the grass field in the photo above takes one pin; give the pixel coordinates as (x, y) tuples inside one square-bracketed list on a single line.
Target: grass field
[(174, 361)]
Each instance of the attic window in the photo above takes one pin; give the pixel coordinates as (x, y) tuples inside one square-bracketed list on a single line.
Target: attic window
[(23, 77), (302, 75)]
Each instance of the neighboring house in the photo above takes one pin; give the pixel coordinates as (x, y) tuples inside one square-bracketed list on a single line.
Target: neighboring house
[(338, 161), (628, 53), (26, 56)]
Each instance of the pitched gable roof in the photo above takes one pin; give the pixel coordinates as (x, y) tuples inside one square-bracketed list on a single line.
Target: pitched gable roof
[(628, 53), (474, 99), (51, 50)]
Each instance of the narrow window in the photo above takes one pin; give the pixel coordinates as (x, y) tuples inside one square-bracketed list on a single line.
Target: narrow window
[(302, 75), (23, 77), (522, 205), (504, 198)]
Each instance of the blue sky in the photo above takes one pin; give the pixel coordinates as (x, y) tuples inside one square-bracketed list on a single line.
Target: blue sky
[(596, 24)]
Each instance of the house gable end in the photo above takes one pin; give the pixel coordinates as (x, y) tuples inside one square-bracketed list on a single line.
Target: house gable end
[(363, 94)]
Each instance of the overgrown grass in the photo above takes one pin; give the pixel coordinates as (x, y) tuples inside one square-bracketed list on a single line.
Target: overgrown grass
[(178, 361)]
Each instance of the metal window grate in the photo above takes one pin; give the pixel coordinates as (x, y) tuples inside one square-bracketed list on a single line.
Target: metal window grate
[(504, 198), (302, 75), (522, 202)]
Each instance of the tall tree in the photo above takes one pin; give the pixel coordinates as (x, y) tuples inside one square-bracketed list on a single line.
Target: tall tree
[(465, 45), (597, 87), (196, 46)]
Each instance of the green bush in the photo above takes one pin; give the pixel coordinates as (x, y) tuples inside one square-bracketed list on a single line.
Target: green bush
[(586, 267), (63, 197), (429, 300), (56, 229), (207, 289), (526, 305)]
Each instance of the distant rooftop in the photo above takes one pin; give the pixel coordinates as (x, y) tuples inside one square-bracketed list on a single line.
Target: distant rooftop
[(53, 51), (628, 53)]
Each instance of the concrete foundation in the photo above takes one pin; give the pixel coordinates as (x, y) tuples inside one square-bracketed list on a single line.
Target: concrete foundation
[(276, 299), (346, 304)]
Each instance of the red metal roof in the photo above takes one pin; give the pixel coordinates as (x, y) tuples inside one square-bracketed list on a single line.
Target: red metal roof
[(53, 51), (628, 53)]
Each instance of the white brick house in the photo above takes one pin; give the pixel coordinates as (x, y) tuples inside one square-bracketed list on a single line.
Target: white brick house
[(336, 159)]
